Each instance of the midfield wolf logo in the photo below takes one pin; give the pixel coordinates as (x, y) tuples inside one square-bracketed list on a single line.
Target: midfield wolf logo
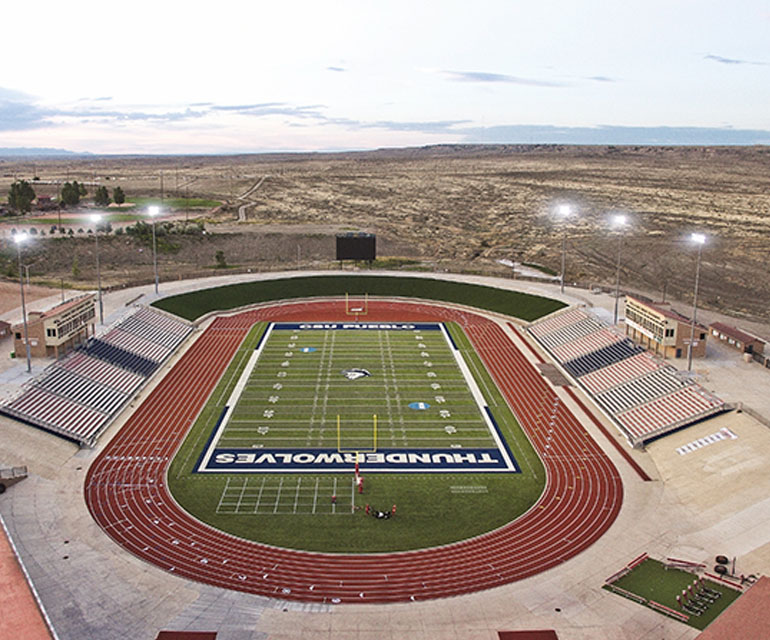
[(355, 374)]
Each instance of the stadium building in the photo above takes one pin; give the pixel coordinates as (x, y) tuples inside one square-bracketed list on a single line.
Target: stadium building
[(662, 330), (57, 331)]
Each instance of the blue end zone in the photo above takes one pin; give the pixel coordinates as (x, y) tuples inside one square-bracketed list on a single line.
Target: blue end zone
[(332, 461), (211, 438), (502, 439), (451, 339), (376, 326), (262, 338)]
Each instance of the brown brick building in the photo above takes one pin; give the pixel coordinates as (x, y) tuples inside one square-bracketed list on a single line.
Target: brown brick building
[(657, 327), (736, 339), (54, 332)]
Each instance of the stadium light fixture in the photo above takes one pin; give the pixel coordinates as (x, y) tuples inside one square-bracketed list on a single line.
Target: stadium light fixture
[(20, 239), (153, 211), (96, 218), (699, 239), (619, 222), (563, 211)]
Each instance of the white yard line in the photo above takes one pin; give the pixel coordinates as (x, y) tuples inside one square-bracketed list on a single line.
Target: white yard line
[(259, 496)]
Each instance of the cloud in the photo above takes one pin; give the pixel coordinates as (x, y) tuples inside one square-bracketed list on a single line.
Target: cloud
[(13, 95), (613, 135), (601, 79), (313, 111), (733, 61), (487, 77), (18, 111), (429, 126), (338, 69)]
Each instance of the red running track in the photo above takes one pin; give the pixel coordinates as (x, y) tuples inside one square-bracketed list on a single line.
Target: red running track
[(125, 488)]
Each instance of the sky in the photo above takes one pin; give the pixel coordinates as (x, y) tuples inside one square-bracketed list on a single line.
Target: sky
[(169, 77)]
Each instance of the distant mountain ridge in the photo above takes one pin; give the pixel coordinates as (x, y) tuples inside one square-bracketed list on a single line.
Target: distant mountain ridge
[(15, 152)]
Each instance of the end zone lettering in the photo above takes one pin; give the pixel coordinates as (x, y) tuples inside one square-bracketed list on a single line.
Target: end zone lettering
[(266, 461), (378, 326)]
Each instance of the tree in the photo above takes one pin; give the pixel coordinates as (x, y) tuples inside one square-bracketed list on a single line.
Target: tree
[(20, 196), (219, 256), (118, 196), (70, 193), (102, 197), (81, 188)]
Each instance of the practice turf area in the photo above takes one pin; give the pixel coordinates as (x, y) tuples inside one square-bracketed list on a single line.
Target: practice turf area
[(297, 510), (652, 581)]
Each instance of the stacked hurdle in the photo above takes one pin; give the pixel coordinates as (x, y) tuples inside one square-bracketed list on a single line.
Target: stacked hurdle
[(697, 597)]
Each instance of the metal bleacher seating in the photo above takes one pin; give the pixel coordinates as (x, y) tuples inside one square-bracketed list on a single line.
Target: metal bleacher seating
[(102, 372), (603, 357), (640, 390), (619, 372), (645, 397), (77, 397), (120, 357)]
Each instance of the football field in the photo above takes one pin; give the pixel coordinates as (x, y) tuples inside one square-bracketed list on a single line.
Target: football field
[(395, 396), (272, 454)]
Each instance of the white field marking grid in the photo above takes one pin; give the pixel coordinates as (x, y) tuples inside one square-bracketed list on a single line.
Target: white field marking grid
[(270, 495), (253, 421)]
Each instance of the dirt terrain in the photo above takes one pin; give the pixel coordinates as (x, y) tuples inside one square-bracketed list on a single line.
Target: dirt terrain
[(458, 208)]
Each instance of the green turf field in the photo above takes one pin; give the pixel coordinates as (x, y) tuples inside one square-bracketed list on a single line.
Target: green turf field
[(298, 390), (653, 581), (292, 401)]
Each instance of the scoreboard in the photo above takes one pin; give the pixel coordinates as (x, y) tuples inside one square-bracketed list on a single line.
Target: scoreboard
[(357, 246)]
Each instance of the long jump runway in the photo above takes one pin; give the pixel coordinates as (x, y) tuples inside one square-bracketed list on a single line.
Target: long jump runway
[(126, 493)]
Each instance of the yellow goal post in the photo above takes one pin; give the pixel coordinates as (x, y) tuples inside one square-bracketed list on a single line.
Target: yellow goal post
[(357, 450), (356, 307)]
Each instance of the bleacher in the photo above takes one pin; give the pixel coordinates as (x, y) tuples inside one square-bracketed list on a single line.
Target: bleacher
[(78, 396), (644, 396)]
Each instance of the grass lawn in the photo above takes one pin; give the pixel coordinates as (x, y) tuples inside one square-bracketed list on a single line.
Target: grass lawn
[(175, 203), (512, 303), (296, 510)]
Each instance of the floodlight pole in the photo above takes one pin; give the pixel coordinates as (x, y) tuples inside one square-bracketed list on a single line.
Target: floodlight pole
[(564, 211), (699, 239), (96, 219), (617, 281), (23, 304), (563, 259), (153, 211), (619, 221)]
